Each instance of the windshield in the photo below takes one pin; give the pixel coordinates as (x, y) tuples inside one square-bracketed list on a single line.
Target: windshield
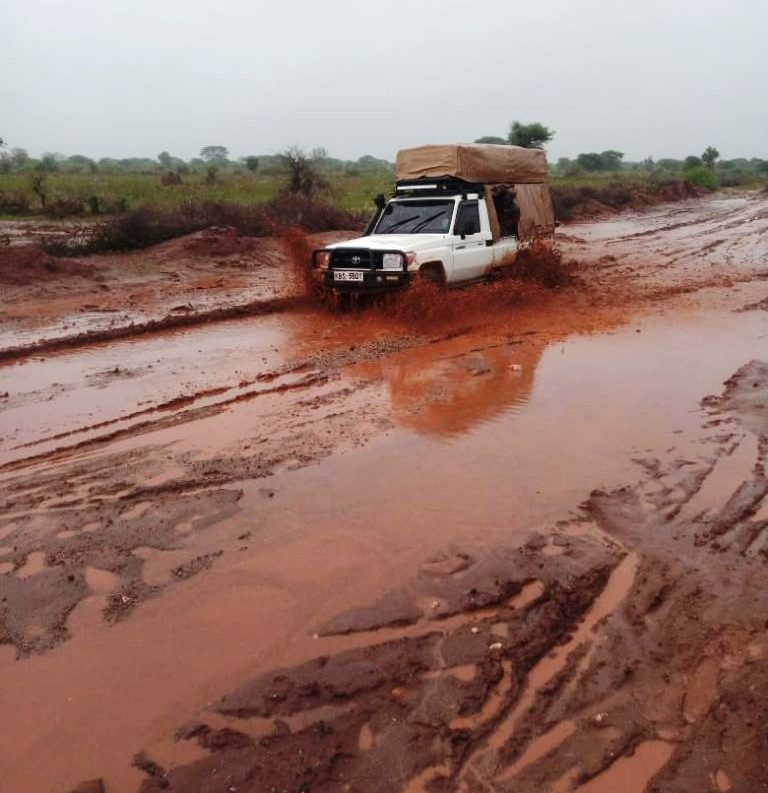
[(416, 217)]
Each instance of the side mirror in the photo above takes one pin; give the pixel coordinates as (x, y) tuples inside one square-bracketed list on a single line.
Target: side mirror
[(380, 201)]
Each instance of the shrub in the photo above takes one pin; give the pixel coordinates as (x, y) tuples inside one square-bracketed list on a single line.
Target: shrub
[(701, 176), (63, 207), (150, 226), (311, 215), (14, 204)]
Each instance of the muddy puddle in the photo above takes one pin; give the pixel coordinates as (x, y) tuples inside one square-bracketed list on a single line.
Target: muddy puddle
[(70, 392), (468, 523), (483, 463)]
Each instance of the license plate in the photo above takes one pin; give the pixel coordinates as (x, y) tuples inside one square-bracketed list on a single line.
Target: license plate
[(347, 275)]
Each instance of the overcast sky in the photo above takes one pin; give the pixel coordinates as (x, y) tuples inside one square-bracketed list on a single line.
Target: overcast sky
[(648, 77)]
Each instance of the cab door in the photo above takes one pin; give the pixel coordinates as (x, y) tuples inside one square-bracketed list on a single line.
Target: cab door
[(470, 256)]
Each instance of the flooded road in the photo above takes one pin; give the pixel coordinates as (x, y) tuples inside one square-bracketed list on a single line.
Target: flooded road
[(467, 520)]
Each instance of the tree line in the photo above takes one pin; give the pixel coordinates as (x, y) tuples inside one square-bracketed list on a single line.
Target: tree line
[(211, 160), (706, 169)]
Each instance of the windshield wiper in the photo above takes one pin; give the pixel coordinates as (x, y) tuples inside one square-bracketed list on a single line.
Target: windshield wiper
[(398, 224), (428, 220)]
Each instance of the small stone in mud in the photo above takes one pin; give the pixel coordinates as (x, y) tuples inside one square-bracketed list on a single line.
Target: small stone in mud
[(600, 719), (477, 367)]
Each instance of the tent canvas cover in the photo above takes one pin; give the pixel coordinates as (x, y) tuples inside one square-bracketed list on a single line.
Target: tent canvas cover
[(486, 163)]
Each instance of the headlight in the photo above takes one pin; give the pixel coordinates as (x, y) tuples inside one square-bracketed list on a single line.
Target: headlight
[(322, 259), (392, 261)]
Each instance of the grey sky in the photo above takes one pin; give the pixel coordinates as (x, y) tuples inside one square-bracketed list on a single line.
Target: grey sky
[(657, 77)]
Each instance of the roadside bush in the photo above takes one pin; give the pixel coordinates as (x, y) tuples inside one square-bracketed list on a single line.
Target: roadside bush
[(14, 204), (63, 208), (150, 226), (701, 176), (572, 202), (312, 215), (566, 200)]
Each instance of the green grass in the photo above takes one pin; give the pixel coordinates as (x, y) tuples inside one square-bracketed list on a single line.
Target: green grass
[(627, 179), (118, 192)]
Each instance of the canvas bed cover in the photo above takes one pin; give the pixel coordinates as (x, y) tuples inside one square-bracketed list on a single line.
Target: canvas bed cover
[(524, 170), (477, 162)]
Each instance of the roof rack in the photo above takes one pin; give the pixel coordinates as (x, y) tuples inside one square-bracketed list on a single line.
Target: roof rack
[(441, 185)]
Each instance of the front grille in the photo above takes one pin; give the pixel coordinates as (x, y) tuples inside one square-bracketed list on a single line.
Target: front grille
[(355, 258)]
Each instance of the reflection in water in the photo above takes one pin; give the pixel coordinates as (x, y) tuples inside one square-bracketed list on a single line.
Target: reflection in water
[(446, 395)]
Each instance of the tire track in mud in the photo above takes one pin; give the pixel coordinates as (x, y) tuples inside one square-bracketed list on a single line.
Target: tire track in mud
[(453, 661), (661, 261), (169, 322), (77, 500), (186, 400), (158, 424), (641, 662)]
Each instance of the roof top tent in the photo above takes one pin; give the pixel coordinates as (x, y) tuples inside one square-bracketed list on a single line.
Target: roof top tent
[(494, 167)]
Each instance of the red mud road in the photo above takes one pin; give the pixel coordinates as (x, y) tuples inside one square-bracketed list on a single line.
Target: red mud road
[(523, 549)]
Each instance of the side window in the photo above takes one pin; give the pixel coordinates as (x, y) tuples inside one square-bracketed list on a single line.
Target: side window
[(467, 219)]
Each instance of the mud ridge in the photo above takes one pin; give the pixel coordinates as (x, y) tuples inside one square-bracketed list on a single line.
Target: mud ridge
[(170, 321), (151, 426)]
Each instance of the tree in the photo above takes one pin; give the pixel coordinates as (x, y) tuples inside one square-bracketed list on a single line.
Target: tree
[(49, 162), (370, 163), (691, 161), (491, 139), (165, 160), (39, 185), (212, 153), (608, 160), (590, 161), (709, 156), (612, 160), (252, 163), (302, 174), (670, 164), (19, 157), (82, 163), (530, 136), (319, 154)]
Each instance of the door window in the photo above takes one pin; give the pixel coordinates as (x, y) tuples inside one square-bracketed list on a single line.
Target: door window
[(467, 219)]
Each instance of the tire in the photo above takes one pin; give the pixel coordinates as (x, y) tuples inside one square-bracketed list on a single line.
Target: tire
[(433, 274)]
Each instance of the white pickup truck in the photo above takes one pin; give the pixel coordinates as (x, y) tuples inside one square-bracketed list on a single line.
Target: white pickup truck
[(445, 228)]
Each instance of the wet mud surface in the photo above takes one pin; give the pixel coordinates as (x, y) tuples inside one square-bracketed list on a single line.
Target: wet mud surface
[(522, 549)]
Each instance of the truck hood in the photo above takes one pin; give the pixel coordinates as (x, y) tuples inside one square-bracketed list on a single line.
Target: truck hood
[(392, 242)]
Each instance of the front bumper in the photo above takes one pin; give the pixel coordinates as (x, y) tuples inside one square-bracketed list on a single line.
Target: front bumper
[(374, 281)]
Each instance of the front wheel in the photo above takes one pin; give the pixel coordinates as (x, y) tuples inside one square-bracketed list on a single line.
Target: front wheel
[(432, 274)]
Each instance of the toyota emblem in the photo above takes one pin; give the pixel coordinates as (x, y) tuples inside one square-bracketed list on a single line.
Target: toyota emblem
[(356, 260)]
